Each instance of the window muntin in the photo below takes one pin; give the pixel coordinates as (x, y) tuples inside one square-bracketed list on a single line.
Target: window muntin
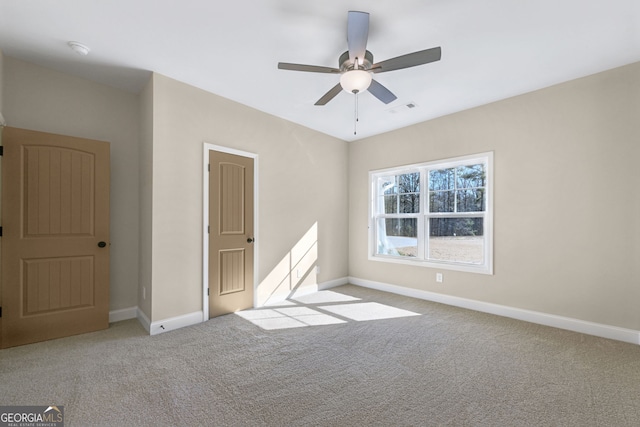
[(460, 189), (401, 193), (452, 226)]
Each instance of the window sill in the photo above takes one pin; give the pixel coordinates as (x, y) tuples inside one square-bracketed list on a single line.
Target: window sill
[(468, 268)]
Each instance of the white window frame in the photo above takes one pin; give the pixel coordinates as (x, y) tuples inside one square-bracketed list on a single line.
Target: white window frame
[(424, 215)]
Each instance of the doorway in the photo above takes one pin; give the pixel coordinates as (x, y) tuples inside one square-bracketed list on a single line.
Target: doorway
[(230, 251)]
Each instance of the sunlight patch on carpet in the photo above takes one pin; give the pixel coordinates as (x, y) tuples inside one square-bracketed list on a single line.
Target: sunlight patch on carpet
[(290, 317), (324, 297), (368, 311), (320, 308)]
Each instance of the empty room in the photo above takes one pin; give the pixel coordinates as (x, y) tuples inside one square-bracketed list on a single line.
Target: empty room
[(334, 213)]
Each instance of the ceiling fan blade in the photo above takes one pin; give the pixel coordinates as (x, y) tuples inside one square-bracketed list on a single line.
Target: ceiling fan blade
[(408, 60), (309, 68), (381, 92), (357, 35), (329, 95)]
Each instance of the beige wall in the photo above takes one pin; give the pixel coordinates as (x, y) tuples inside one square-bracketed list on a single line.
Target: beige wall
[(302, 182), (566, 206), (41, 99), (566, 198), (157, 140), (145, 172)]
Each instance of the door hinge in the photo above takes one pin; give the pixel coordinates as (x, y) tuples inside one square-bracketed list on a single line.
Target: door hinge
[(208, 229), (0, 231), (209, 168), (1, 150), (0, 311), (207, 295)]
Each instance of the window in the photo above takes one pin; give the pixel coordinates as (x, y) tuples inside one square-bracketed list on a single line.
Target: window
[(436, 214)]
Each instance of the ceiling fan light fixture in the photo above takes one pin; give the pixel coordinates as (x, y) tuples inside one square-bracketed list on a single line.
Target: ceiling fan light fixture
[(355, 81)]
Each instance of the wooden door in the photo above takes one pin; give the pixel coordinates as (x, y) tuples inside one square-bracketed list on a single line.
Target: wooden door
[(230, 233), (55, 243)]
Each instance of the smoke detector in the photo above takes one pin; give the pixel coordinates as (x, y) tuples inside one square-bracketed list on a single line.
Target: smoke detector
[(79, 48)]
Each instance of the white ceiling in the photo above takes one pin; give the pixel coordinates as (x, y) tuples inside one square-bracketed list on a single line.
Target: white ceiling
[(491, 49)]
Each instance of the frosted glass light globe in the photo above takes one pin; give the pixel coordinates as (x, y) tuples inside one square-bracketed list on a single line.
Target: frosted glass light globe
[(355, 81)]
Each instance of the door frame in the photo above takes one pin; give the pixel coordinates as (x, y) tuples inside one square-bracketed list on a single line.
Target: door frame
[(205, 221)]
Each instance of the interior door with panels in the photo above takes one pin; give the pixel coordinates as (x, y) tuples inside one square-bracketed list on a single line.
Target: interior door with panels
[(55, 243), (231, 248)]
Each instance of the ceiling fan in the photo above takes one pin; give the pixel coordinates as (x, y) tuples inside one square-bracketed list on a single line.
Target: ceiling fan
[(356, 65)]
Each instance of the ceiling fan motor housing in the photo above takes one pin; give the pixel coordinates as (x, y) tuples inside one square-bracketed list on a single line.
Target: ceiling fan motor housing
[(346, 65)]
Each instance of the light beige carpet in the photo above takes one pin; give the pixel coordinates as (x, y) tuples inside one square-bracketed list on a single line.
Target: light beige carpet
[(345, 357)]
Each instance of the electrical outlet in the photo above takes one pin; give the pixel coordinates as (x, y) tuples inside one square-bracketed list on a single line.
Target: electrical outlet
[(439, 277), (317, 269)]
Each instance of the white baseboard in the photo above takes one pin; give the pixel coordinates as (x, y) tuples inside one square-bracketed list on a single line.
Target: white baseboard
[(123, 314), (177, 322), (130, 313), (320, 287), (158, 327), (605, 331), (144, 320), (305, 290), (333, 283)]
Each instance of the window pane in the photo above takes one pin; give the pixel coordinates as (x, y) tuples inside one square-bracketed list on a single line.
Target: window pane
[(456, 226), (442, 179), (398, 236), (471, 200), (456, 240), (410, 203), (387, 184), (441, 201), (409, 182), (390, 204), (471, 176)]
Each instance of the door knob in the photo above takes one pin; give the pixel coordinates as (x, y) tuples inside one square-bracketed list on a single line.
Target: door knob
[(251, 240), (102, 244)]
